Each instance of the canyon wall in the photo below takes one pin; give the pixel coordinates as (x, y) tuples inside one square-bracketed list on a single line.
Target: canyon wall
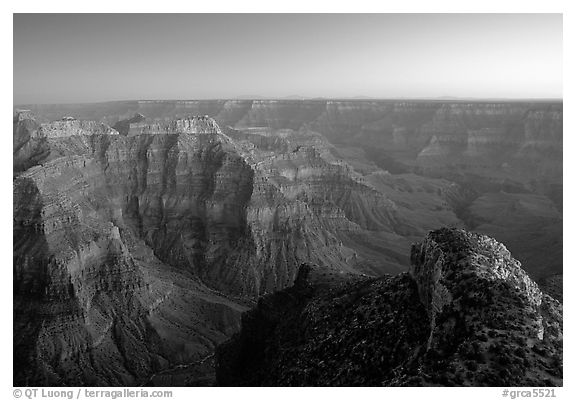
[(485, 147), (133, 253), (495, 141), (108, 252)]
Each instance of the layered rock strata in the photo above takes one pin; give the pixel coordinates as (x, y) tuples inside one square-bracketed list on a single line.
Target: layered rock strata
[(140, 245)]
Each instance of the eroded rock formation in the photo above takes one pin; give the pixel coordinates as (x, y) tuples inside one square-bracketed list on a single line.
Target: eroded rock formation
[(465, 315), (109, 244)]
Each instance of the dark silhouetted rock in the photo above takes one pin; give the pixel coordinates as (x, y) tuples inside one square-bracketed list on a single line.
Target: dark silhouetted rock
[(465, 315)]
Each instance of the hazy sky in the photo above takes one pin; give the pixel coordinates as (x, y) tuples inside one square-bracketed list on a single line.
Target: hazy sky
[(64, 58)]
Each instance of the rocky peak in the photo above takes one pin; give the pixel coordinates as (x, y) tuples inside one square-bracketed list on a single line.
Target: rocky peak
[(454, 269), (465, 315)]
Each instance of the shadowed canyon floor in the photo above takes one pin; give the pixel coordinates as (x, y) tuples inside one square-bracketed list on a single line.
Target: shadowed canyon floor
[(142, 234)]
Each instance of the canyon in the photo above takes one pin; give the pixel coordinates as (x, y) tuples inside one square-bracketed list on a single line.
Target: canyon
[(144, 231)]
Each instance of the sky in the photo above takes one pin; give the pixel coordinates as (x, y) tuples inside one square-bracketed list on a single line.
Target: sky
[(71, 58)]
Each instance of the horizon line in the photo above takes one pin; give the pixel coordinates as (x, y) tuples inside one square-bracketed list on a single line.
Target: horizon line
[(319, 98)]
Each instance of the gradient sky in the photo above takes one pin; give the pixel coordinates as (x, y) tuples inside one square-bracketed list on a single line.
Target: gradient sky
[(67, 58)]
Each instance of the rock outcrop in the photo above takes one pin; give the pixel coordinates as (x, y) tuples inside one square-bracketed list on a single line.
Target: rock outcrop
[(29, 144), (465, 315)]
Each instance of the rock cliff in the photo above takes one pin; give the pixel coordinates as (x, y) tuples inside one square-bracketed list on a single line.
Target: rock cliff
[(109, 251), (29, 145), (465, 315)]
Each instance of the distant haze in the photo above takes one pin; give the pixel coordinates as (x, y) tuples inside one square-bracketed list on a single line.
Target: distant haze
[(68, 58)]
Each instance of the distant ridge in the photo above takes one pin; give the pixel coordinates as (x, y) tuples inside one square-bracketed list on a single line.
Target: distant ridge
[(302, 98)]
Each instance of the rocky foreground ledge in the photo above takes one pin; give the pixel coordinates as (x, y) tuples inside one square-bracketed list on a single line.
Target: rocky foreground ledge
[(465, 315)]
